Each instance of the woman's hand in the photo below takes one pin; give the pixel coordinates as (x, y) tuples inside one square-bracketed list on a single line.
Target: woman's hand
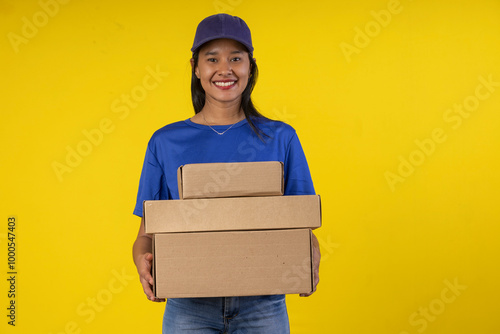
[(316, 260), (144, 269), (143, 259)]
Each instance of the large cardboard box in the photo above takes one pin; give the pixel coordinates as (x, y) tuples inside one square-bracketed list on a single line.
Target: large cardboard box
[(236, 263), (232, 214), (209, 180)]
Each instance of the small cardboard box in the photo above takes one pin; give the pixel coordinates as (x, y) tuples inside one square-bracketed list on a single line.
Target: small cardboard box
[(232, 214), (208, 180), (241, 263)]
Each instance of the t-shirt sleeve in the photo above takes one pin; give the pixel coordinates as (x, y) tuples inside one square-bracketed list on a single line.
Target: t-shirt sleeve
[(298, 179), (151, 181)]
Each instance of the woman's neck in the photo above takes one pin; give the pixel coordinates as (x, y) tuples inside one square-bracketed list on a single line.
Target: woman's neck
[(219, 115)]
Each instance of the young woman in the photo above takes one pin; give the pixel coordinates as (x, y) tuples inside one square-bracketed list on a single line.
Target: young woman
[(226, 127)]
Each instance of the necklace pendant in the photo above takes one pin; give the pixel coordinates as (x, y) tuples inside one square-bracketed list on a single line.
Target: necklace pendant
[(217, 132)]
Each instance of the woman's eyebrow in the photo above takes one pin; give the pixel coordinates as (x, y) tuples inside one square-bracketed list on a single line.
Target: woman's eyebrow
[(213, 53)]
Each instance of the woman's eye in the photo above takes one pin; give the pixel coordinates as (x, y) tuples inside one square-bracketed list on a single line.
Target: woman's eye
[(212, 60), (236, 59)]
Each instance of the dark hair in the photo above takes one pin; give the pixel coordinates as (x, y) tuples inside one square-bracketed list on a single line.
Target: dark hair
[(251, 113)]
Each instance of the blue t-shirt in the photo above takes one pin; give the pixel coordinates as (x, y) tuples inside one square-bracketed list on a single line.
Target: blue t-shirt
[(186, 142)]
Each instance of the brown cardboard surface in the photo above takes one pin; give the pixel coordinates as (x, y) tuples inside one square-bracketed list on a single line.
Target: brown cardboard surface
[(239, 263), (230, 214), (209, 180)]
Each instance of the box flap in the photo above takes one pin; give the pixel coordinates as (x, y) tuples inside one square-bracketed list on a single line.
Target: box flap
[(179, 182), (320, 211), (153, 249), (312, 261)]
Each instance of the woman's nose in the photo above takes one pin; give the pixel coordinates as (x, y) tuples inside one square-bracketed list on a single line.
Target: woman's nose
[(225, 68)]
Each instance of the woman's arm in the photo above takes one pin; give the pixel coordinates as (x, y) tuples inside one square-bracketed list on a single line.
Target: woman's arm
[(143, 258)]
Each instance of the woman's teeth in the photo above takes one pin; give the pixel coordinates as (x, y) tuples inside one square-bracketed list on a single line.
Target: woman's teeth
[(224, 84)]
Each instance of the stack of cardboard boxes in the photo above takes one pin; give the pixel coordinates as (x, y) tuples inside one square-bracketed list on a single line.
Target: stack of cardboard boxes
[(232, 233)]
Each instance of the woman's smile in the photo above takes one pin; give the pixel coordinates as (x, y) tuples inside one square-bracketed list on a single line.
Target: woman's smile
[(225, 84)]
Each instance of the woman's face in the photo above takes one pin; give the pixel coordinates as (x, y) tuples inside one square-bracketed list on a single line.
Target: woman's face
[(223, 69)]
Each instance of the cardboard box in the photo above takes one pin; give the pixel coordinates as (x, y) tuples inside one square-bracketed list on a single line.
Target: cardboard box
[(232, 214), (209, 180), (241, 263)]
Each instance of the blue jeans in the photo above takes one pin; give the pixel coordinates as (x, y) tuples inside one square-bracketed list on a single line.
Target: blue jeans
[(231, 315)]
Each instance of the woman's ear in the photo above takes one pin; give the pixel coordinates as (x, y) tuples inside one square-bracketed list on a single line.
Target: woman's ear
[(251, 66), (195, 69)]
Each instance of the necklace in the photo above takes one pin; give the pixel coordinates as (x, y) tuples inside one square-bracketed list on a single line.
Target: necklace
[(217, 132)]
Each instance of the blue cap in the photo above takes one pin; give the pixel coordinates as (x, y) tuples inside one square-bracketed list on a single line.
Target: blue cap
[(222, 26)]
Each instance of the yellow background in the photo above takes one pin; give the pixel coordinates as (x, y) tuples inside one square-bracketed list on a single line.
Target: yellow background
[(390, 252)]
